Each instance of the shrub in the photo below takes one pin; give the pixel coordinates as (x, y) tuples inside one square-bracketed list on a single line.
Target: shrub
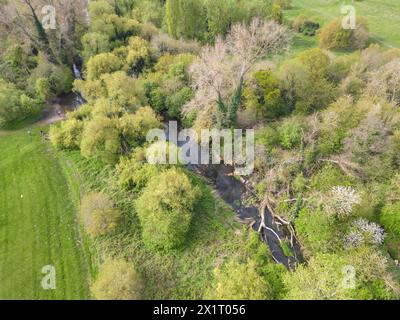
[(135, 126), (165, 209), (59, 78), (101, 139), (67, 135), (310, 28), (390, 217), (263, 96), (334, 36), (15, 105), (117, 280), (291, 133), (98, 215), (316, 230), (102, 63), (239, 281)]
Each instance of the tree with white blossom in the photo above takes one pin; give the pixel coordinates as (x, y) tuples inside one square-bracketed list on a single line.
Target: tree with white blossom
[(342, 201), (363, 231)]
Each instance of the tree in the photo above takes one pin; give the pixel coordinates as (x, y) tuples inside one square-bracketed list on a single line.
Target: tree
[(117, 280), (341, 201), (218, 74), (95, 43), (185, 18), (334, 36), (330, 276), (134, 56), (23, 19), (172, 16), (101, 139), (385, 82), (135, 126), (98, 214), (67, 135), (239, 281), (262, 94), (116, 87), (100, 64), (15, 105), (316, 230), (304, 81), (165, 209)]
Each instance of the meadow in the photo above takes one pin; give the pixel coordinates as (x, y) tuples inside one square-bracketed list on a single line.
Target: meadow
[(382, 16), (38, 224)]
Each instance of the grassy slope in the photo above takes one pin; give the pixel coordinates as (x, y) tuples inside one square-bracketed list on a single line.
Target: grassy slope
[(40, 228), (383, 17)]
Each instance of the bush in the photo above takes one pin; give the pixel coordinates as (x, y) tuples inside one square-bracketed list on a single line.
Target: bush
[(15, 105), (310, 28), (102, 63), (101, 139), (98, 215), (334, 36), (316, 229), (136, 126), (390, 217), (117, 280), (239, 281), (67, 135), (263, 96), (165, 209), (59, 78), (291, 133)]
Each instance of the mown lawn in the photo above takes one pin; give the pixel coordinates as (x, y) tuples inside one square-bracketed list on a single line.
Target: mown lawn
[(383, 16), (38, 224)]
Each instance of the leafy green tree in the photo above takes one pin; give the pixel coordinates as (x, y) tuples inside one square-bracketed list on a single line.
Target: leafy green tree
[(185, 18), (134, 172), (316, 229), (95, 43), (291, 133), (165, 209), (135, 126), (172, 17), (117, 280), (135, 56), (98, 214), (15, 105), (304, 82), (101, 139), (67, 135), (277, 13), (100, 64), (262, 94), (98, 8)]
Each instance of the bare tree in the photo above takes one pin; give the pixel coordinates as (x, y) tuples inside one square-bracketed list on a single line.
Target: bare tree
[(219, 72), (23, 19)]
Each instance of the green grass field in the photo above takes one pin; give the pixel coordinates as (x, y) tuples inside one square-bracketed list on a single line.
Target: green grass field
[(383, 16), (38, 224)]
